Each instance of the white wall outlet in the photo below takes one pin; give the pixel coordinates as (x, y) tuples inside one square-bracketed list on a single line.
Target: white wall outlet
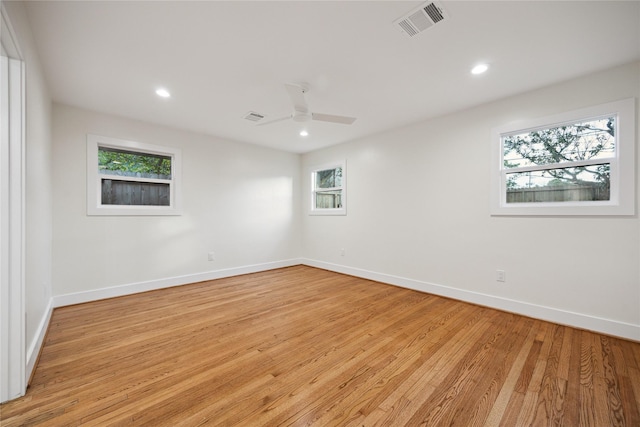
[(501, 276), (212, 256), (342, 252)]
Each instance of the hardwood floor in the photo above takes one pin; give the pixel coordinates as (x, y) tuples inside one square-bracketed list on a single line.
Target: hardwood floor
[(301, 346)]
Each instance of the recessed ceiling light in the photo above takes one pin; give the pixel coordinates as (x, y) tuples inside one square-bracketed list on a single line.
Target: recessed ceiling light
[(479, 69), (163, 93), (304, 133)]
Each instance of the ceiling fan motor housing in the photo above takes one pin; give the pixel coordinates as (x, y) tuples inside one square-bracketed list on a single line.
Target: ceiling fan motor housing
[(301, 113), (302, 116)]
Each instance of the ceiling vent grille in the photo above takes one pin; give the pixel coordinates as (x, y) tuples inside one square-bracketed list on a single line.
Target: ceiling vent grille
[(252, 116), (423, 18)]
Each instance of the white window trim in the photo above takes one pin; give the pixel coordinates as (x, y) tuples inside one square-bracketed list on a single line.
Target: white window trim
[(324, 211), (94, 188), (622, 200)]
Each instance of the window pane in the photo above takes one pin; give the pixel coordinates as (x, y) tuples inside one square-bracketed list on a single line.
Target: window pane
[(329, 199), (329, 178), (587, 183), (128, 163), (127, 193), (593, 139)]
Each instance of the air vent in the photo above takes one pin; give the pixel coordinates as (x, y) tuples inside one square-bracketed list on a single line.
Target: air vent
[(423, 18), (252, 116)]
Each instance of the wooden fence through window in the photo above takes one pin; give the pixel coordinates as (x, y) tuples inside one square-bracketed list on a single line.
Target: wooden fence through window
[(127, 193), (558, 194)]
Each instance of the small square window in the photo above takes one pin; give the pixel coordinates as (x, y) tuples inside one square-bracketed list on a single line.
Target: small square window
[(328, 190)]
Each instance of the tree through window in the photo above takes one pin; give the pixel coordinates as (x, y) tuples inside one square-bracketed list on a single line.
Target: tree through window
[(571, 162), (575, 163)]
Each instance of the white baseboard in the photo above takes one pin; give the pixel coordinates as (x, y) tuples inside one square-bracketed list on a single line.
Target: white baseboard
[(33, 351), (134, 288), (577, 320)]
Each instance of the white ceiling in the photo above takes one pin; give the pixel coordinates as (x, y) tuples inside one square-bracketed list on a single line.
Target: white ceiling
[(220, 60)]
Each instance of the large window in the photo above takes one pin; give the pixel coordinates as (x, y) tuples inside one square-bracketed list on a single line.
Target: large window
[(131, 178), (328, 190), (578, 163)]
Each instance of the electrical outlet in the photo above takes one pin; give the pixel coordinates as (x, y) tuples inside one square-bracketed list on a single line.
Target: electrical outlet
[(501, 276), (342, 252), (212, 256)]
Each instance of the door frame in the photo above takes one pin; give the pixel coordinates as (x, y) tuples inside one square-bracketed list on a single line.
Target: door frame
[(12, 215)]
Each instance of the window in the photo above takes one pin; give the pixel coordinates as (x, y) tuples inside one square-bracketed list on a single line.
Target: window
[(328, 190), (578, 163), (131, 178)]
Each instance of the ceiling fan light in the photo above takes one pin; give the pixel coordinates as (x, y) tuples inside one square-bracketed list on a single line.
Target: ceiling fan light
[(304, 133)]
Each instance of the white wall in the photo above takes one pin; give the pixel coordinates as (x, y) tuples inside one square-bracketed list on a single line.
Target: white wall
[(38, 215), (418, 216), (406, 222), (239, 200)]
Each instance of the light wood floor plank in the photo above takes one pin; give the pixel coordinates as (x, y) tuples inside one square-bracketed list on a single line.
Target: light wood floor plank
[(304, 346), (500, 404)]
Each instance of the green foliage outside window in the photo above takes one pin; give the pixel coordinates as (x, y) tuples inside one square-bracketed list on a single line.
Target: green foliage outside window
[(329, 178), (126, 163), (589, 140)]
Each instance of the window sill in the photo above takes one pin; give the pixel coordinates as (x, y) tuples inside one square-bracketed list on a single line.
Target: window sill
[(328, 212)]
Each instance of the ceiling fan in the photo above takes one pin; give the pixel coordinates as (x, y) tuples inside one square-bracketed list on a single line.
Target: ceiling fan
[(301, 111)]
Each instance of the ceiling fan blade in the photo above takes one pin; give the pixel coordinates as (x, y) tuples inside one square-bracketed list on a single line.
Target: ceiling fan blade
[(296, 93), (274, 120), (333, 119)]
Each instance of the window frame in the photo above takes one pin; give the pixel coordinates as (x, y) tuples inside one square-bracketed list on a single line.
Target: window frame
[(622, 172), (94, 178), (314, 210)]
